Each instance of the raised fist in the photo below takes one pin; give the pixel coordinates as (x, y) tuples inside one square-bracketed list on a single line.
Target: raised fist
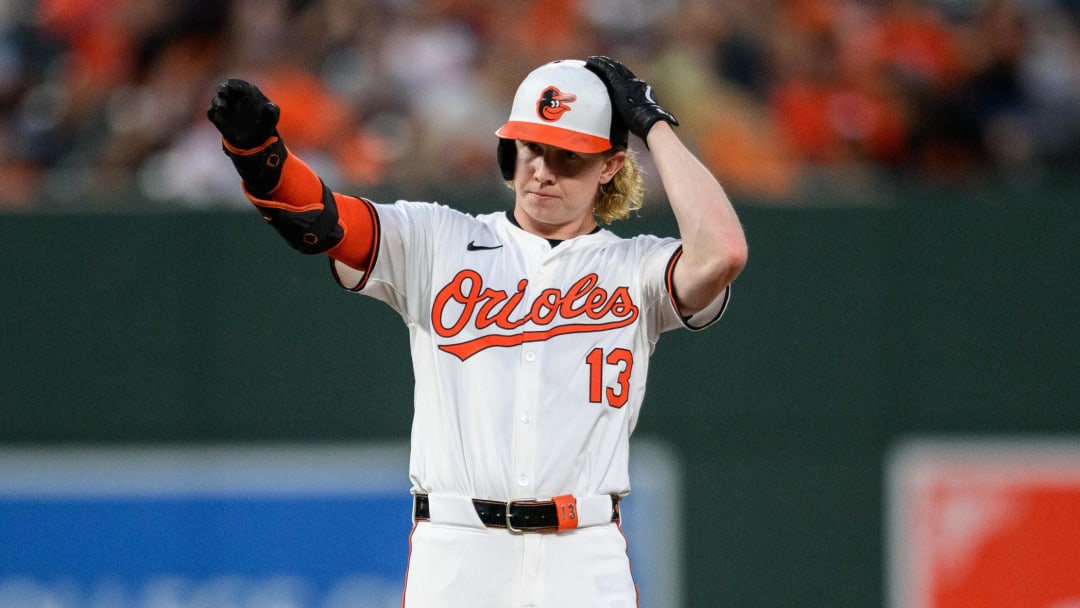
[(245, 117)]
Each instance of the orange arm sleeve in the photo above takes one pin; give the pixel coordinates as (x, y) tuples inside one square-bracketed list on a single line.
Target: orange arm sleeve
[(357, 218)]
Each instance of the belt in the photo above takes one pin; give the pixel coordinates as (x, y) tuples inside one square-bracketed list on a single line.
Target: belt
[(557, 514)]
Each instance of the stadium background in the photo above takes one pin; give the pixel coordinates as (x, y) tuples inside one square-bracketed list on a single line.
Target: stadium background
[(906, 172)]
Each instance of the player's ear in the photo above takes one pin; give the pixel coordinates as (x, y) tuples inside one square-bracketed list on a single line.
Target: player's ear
[(612, 164)]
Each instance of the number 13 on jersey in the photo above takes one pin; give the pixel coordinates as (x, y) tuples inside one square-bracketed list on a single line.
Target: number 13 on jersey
[(616, 395)]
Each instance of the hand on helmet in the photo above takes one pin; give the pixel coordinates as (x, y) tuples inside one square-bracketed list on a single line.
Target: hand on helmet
[(631, 97)]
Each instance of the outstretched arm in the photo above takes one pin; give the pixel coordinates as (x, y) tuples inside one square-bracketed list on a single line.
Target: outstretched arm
[(714, 248), (290, 196)]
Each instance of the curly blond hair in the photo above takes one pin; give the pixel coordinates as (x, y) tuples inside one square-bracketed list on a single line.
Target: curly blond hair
[(623, 194)]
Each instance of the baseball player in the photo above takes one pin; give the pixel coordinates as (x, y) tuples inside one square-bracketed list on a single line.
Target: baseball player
[(530, 329)]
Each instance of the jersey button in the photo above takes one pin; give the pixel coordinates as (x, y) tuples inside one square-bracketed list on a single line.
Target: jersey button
[(530, 356), (523, 481), (526, 419)]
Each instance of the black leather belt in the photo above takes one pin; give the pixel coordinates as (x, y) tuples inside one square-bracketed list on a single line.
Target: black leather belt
[(515, 515)]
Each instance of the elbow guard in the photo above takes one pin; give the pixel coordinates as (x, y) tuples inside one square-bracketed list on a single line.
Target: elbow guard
[(311, 229)]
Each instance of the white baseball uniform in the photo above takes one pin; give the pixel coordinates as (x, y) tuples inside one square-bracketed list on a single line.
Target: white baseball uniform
[(530, 361), (530, 356)]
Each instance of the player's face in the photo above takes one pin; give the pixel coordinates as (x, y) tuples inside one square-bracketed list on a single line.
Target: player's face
[(555, 188)]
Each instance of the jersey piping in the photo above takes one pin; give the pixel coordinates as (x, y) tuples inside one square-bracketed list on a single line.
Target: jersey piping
[(686, 319)]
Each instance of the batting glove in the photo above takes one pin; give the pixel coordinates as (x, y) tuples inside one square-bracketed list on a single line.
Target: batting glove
[(631, 97), (245, 117)]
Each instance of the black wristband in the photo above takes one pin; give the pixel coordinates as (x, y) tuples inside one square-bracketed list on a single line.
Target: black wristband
[(261, 170)]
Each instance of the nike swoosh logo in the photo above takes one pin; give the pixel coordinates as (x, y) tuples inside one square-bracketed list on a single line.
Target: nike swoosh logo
[(472, 246)]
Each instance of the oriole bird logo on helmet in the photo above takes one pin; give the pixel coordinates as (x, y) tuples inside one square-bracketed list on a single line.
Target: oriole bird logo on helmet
[(553, 103)]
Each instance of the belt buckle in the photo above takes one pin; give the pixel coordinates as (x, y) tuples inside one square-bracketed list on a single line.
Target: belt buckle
[(509, 505)]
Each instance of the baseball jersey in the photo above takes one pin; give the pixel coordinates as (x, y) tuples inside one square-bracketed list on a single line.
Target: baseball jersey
[(529, 359)]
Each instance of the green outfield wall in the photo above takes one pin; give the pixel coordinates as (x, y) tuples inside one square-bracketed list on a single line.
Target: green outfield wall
[(849, 331)]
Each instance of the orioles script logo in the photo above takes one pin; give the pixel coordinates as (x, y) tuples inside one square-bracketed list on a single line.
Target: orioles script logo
[(466, 301)]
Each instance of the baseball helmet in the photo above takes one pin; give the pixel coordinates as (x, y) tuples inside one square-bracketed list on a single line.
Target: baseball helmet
[(562, 104)]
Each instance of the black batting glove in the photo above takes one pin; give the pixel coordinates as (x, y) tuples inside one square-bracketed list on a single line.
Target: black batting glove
[(631, 97), (245, 117)]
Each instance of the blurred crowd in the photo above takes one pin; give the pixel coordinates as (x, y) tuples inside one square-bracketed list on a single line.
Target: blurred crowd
[(102, 102)]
